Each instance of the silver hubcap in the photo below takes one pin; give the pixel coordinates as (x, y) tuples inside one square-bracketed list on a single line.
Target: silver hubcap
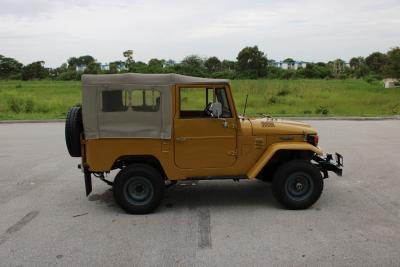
[(138, 190), (299, 186)]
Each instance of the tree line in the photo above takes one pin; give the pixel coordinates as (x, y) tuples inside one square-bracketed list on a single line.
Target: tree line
[(250, 63)]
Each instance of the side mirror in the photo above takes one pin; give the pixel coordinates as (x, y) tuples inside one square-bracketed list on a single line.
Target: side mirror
[(216, 109)]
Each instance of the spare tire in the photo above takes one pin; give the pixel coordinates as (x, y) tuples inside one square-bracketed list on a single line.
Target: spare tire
[(73, 130)]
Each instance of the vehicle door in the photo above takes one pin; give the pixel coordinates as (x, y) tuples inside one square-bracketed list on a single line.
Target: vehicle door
[(203, 139)]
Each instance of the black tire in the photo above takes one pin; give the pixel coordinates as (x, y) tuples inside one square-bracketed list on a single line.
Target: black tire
[(73, 130), (297, 184), (138, 189)]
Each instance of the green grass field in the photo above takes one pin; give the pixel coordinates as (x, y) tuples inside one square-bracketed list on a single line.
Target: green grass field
[(52, 99)]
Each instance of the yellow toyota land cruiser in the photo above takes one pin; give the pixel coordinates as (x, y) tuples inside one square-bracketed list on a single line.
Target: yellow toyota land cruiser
[(158, 129)]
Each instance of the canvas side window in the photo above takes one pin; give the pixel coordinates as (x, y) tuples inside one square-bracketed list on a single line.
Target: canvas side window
[(114, 100), (146, 100)]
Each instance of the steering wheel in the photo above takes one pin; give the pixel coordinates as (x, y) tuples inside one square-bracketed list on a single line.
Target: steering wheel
[(207, 110)]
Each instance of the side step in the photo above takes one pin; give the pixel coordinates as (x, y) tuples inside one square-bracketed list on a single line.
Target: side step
[(223, 177)]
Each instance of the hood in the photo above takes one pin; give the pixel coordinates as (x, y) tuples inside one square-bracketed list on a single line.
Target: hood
[(270, 126)]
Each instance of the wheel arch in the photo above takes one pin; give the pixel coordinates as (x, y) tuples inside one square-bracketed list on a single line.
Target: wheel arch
[(278, 153), (126, 160)]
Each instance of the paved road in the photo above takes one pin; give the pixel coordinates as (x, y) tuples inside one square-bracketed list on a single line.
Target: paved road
[(46, 220)]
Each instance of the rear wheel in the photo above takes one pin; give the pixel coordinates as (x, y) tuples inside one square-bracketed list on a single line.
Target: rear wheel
[(297, 184), (138, 189)]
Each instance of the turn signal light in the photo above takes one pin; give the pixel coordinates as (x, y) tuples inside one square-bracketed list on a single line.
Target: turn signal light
[(313, 139), (316, 140)]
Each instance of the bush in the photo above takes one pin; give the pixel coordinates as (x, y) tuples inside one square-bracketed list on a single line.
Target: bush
[(35, 70), (373, 79), (15, 104), (342, 76), (274, 72), (43, 108), (22, 105), (224, 75), (16, 76), (283, 92), (272, 100), (289, 74), (322, 110), (396, 109), (68, 76), (29, 105)]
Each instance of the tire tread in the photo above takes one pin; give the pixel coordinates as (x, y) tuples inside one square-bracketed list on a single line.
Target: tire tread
[(155, 178), (73, 130), (278, 184)]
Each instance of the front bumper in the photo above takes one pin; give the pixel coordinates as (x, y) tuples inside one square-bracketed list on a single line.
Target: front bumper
[(329, 164)]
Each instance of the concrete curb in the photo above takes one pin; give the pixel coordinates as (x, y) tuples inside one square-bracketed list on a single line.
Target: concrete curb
[(30, 121), (350, 118)]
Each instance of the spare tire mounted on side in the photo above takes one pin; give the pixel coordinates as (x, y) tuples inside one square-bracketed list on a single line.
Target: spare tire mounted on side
[(73, 130)]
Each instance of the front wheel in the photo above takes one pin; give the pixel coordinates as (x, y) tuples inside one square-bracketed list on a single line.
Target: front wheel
[(297, 184), (138, 189)]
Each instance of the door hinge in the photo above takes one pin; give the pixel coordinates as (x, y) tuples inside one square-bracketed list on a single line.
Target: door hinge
[(233, 153)]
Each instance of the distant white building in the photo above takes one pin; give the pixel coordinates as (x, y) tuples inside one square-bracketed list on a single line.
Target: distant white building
[(121, 67), (391, 83), (80, 68), (289, 65), (169, 63), (105, 67)]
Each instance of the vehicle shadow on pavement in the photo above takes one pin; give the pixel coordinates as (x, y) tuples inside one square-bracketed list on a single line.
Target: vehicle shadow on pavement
[(106, 197), (226, 194), (198, 194), (105, 200)]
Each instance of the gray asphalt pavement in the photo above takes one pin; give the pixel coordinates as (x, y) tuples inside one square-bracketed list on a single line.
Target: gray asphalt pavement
[(46, 220)]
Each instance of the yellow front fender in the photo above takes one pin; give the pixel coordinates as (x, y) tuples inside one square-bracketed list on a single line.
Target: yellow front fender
[(272, 149)]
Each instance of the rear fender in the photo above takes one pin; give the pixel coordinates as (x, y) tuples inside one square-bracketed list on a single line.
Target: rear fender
[(272, 149)]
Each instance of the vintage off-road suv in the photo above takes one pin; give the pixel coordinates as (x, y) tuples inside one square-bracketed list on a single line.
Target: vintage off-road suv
[(162, 128)]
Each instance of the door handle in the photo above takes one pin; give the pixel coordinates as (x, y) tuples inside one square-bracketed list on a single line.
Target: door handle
[(224, 123), (180, 139)]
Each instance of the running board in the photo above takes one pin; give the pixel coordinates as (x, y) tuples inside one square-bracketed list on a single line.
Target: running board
[(223, 177)]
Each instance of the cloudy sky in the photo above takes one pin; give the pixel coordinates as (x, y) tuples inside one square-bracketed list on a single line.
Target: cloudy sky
[(310, 30)]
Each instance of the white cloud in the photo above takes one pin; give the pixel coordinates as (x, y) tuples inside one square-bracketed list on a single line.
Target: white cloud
[(305, 29)]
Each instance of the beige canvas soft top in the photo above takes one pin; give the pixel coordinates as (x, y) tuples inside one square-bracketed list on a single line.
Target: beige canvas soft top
[(147, 79), (131, 105)]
